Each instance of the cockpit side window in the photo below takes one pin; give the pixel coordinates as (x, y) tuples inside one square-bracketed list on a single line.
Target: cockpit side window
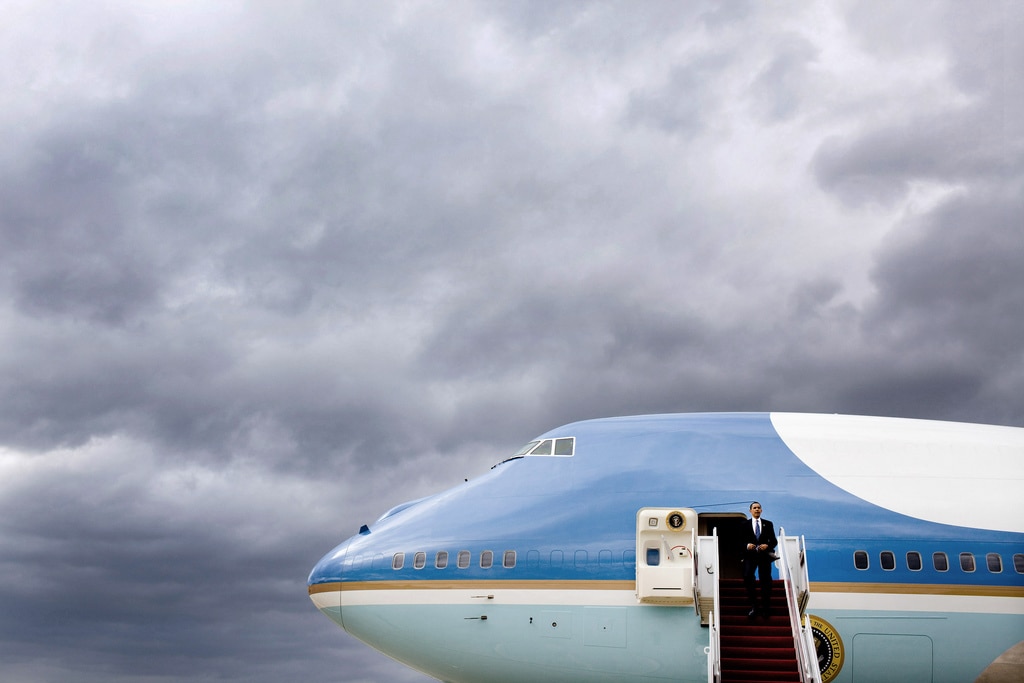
[(562, 447), (526, 449), (543, 448)]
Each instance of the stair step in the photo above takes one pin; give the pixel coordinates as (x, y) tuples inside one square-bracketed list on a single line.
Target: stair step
[(757, 629), (780, 623), (759, 652), (758, 641), (745, 664), (760, 677), (740, 616), (744, 607)]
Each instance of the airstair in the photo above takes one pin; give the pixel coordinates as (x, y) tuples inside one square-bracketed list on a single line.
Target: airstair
[(744, 650), (675, 566)]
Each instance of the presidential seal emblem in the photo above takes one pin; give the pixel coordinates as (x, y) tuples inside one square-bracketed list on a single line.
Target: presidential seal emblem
[(676, 521), (829, 648)]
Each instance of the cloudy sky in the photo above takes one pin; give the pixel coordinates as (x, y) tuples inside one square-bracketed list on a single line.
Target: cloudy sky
[(268, 269)]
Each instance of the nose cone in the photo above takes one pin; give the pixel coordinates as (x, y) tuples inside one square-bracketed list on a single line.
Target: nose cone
[(325, 583)]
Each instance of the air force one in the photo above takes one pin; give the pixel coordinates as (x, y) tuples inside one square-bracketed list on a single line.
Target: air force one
[(608, 550)]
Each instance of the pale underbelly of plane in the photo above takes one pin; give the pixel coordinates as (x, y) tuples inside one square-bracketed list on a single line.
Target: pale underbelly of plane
[(463, 634)]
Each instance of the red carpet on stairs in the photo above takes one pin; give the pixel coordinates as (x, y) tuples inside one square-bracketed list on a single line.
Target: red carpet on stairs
[(755, 650)]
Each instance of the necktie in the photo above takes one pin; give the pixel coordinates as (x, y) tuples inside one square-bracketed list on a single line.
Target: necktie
[(757, 530)]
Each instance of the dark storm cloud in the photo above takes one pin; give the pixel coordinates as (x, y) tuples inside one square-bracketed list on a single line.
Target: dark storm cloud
[(949, 292), (973, 136), (268, 271), (956, 277), (64, 229), (777, 88), (689, 115), (947, 280), (953, 147), (126, 550), (125, 207)]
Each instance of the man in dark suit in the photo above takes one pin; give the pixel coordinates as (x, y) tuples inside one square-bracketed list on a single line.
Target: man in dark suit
[(759, 541)]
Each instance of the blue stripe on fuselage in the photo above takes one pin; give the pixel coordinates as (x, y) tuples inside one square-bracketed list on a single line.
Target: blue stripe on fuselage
[(584, 507)]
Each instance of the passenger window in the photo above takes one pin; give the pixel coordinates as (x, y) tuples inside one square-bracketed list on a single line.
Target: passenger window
[(580, 559), (462, 561), (888, 560), (564, 446), (995, 563), (543, 448), (486, 559), (914, 561), (509, 560), (557, 557), (653, 557), (533, 559), (1018, 563), (419, 560), (860, 559), (967, 562), (398, 561), (629, 558), (441, 559), (940, 562)]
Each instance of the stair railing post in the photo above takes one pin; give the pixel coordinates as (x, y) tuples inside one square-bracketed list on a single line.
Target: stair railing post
[(810, 655), (796, 588), (710, 564)]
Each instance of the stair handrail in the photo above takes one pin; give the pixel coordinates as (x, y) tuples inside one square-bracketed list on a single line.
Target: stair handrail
[(695, 556), (797, 584), (712, 651), (809, 649), (714, 634)]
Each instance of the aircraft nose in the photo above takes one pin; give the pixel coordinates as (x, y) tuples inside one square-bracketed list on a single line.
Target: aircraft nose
[(325, 583)]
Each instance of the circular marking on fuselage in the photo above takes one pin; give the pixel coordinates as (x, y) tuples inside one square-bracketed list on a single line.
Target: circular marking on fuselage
[(829, 647)]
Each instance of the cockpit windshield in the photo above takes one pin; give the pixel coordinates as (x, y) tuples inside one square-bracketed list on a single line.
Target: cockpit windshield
[(562, 447)]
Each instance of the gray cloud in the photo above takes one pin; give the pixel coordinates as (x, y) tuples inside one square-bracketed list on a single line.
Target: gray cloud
[(953, 148), (266, 271)]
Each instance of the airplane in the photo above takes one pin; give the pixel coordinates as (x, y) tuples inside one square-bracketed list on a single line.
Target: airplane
[(607, 550)]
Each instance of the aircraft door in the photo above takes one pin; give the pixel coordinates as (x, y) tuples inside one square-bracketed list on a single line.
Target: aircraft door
[(664, 555), (729, 527)]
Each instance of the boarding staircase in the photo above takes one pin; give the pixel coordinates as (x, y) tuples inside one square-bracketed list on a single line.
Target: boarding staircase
[(760, 650), (675, 566)]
